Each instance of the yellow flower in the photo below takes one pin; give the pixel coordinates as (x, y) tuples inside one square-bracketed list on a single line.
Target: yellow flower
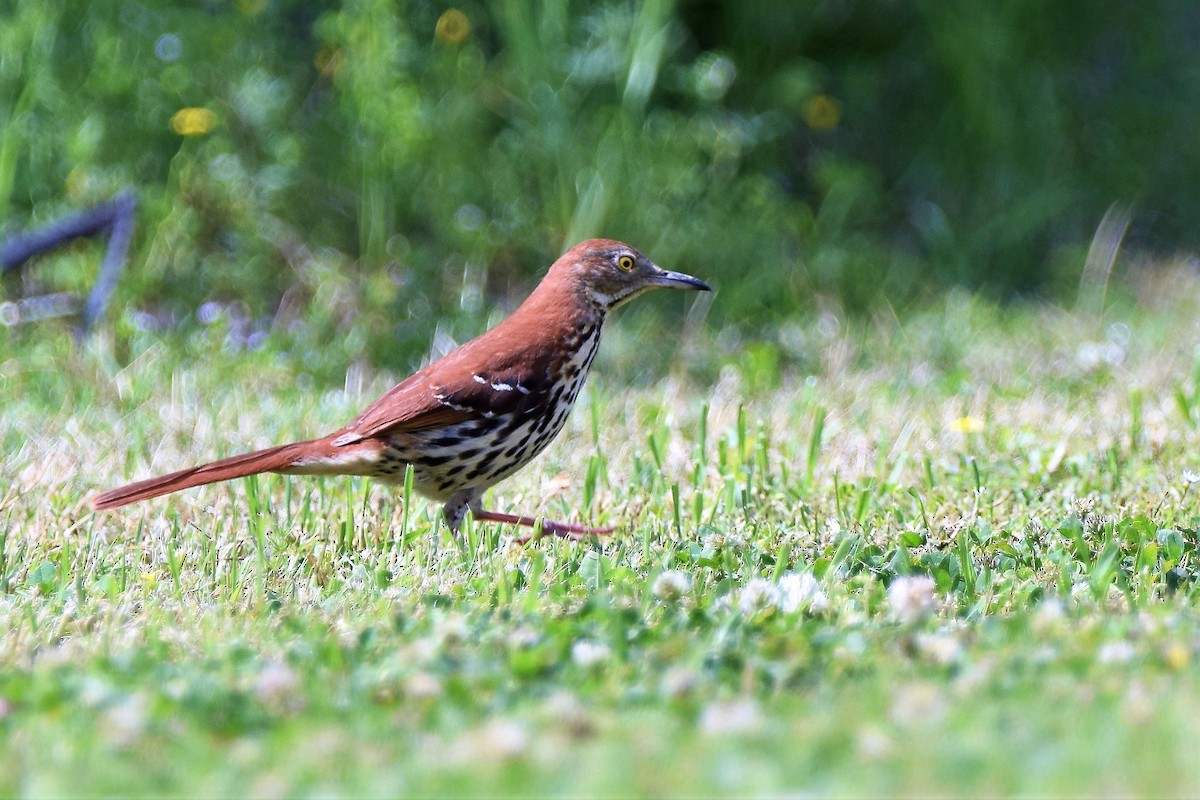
[(149, 580), (967, 425), (193, 121), (78, 182), (328, 60), (1177, 656), (452, 27), (822, 113)]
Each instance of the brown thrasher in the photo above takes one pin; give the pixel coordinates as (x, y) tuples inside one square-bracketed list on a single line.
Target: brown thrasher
[(477, 415)]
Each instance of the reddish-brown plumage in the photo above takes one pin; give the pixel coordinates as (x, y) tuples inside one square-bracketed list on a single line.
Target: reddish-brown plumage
[(477, 415)]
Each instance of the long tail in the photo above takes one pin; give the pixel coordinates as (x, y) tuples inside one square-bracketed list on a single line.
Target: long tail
[(311, 457)]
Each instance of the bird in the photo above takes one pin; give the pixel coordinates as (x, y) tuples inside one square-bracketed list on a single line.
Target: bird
[(478, 414)]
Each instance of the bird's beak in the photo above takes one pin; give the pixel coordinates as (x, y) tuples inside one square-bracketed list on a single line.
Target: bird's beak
[(677, 280)]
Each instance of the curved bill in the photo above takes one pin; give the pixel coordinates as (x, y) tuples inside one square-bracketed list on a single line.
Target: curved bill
[(678, 280)]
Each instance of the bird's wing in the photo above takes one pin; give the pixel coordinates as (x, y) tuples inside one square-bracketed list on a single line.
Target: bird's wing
[(455, 389)]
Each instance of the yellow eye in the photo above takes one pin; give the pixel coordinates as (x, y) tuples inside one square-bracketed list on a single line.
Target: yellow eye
[(625, 263)]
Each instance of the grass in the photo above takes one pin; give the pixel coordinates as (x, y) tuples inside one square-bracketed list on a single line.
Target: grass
[(994, 504)]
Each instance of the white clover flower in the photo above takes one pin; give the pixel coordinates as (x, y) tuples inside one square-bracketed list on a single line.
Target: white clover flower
[(912, 597), (94, 692), (719, 541), (566, 709), (279, 688), (940, 648), (1118, 652), (918, 705), (1049, 612), (422, 686), (500, 740), (679, 682), (727, 717), (671, 585), (799, 591), (1088, 355), (874, 744), (522, 637), (757, 596), (125, 722), (1138, 705), (451, 630), (587, 653)]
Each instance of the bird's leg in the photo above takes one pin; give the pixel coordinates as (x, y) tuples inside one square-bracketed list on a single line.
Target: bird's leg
[(455, 510), (563, 529)]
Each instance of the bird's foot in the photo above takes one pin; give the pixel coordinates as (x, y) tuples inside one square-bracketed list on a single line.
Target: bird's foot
[(563, 529)]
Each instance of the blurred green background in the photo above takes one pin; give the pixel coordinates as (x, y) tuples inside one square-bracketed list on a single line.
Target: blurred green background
[(360, 169)]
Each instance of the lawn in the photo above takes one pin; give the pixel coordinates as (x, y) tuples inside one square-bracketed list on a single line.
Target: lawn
[(953, 552)]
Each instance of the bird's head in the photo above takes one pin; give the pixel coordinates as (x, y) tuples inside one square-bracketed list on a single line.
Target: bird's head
[(609, 273)]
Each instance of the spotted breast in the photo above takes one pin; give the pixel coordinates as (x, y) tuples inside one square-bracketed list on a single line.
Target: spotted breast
[(524, 413)]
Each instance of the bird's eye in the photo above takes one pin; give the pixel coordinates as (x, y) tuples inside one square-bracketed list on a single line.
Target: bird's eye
[(625, 263)]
